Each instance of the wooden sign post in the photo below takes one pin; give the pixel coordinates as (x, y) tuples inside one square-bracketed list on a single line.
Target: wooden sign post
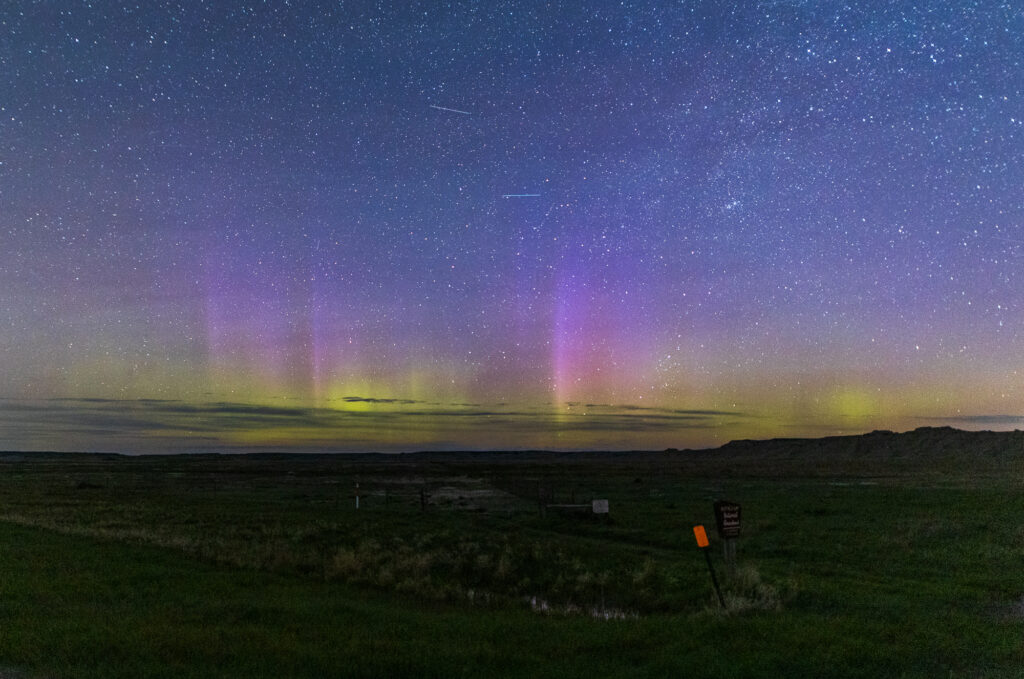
[(727, 520), (702, 542)]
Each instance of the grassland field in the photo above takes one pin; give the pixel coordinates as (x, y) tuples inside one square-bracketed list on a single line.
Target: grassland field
[(882, 555)]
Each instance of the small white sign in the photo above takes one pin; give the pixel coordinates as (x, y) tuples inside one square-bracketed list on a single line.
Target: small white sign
[(600, 506)]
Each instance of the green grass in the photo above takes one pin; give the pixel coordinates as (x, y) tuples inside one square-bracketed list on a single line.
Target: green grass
[(249, 567)]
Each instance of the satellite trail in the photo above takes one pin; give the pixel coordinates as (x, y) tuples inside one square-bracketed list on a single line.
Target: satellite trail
[(521, 195), (453, 110)]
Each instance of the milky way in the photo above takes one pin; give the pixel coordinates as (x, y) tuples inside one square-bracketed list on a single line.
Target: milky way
[(396, 226)]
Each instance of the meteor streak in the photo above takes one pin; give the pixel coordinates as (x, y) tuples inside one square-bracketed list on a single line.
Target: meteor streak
[(453, 110)]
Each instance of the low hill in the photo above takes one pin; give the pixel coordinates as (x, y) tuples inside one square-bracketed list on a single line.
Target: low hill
[(926, 449)]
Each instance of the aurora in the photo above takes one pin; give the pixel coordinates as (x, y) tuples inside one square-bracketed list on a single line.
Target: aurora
[(251, 228)]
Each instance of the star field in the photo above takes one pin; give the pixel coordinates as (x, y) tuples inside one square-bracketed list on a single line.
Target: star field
[(415, 225)]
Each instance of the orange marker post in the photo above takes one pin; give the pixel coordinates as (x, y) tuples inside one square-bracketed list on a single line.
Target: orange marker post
[(701, 536)]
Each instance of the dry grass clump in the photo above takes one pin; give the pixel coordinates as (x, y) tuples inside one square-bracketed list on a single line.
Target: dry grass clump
[(443, 567), (744, 590)]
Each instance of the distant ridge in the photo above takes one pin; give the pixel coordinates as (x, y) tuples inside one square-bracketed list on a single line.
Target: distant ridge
[(923, 440), (926, 449)]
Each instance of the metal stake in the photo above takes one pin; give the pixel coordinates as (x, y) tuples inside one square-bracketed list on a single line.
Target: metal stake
[(714, 580)]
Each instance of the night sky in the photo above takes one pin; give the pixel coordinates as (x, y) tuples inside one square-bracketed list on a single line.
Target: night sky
[(502, 225)]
